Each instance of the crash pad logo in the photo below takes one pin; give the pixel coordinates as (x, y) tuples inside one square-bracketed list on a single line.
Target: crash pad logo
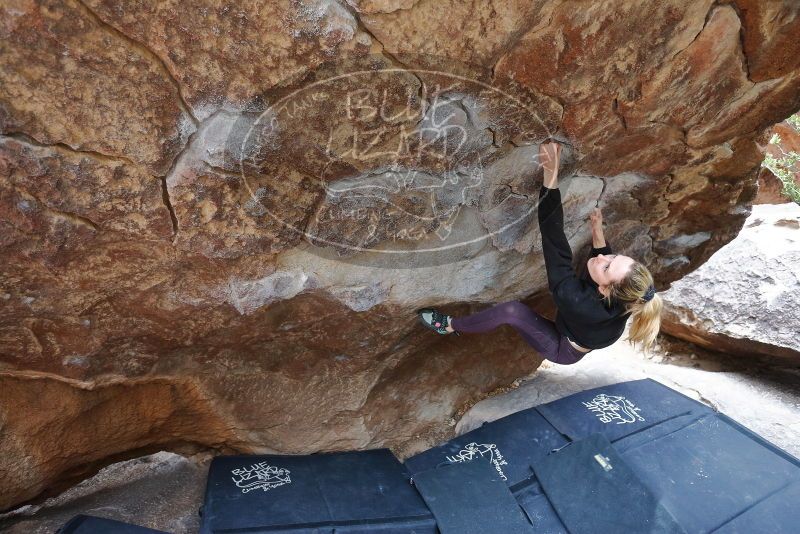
[(614, 409), (260, 476), (486, 450)]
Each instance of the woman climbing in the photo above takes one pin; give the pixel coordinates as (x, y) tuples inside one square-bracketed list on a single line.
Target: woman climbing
[(592, 311)]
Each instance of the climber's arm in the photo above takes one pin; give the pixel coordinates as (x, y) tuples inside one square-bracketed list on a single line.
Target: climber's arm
[(599, 245), (549, 158), (555, 247), (596, 221)]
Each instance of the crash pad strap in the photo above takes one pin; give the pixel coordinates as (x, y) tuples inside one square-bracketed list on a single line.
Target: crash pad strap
[(593, 490), (471, 497)]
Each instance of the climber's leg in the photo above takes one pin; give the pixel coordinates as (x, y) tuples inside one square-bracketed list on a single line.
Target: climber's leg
[(538, 332)]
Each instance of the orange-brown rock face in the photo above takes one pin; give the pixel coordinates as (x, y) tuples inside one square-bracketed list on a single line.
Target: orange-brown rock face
[(218, 220)]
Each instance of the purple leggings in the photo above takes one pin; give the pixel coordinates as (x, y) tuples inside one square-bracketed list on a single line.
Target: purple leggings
[(540, 333)]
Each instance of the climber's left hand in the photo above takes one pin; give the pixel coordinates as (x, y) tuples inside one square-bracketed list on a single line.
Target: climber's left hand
[(549, 158)]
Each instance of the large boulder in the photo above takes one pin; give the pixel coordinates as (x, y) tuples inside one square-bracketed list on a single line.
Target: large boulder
[(162, 491), (217, 220), (746, 298)]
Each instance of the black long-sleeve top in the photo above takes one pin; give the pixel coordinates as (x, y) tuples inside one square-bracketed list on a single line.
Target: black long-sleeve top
[(583, 315)]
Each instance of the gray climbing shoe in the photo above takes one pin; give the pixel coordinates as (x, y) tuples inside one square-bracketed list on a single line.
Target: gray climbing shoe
[(435, 320)]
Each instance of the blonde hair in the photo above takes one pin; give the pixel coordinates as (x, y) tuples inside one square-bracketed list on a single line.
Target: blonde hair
[(646, 315)]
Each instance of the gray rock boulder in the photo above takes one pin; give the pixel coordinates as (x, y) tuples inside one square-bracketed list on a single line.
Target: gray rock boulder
[(162, 491), (746, 298)]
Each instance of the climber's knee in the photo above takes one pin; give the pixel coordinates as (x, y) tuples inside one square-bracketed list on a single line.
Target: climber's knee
[(515, 309)]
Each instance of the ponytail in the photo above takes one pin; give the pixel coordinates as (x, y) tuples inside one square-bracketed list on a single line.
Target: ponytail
[(636, 291), (645, 322)]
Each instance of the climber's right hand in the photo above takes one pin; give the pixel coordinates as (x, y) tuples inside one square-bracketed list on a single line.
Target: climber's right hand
[(596, 219), (549, 159)]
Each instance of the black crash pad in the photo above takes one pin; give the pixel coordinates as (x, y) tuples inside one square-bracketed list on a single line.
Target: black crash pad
[(471, 498), (358, 491)]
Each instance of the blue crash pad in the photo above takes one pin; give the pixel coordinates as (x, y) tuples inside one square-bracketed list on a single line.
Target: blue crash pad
[(699, 467), (471, 498), (711, 470), (677, 465), (618, 410), (594, 491), (359, 491), (768, 515), (509, 444), (538, 509)]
